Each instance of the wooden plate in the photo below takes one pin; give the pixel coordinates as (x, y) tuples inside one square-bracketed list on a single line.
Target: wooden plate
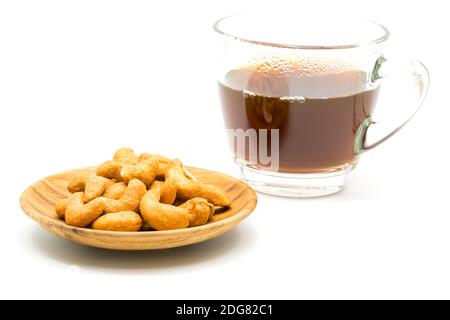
[(38, 201)]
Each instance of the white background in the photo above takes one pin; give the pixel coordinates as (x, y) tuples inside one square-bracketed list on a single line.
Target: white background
[(79, 79)]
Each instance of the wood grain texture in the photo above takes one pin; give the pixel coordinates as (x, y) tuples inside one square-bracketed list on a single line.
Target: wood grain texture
[(39, 199)]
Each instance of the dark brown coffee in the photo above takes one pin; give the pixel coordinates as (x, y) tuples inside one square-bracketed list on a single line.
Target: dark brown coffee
[(317, 114)]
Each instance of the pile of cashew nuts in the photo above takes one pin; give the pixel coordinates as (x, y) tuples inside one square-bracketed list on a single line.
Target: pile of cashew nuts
[(139, 193)]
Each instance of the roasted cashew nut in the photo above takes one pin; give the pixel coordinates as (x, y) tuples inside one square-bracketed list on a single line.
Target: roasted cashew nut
[(126, 165), (130, 199), (144, 170), (110, 169), (81, 214), (92, 185), (126, 155), (188, 189), (60, 207), (167, 191), (118, 221), (161, 216), (115, 191), (161, 162), (200, 211), (114, 197)]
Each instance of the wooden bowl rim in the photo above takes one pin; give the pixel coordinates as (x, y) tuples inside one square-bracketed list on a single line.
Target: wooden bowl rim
[(239, 215)]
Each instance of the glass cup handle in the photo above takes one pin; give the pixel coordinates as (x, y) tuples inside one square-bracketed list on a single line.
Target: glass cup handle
[(371, 133)]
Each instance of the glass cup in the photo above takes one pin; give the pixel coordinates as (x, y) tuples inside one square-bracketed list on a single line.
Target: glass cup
[(299, 95)]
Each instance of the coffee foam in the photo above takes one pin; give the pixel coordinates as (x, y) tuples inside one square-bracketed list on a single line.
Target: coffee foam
[(306, 66), (309, 77)]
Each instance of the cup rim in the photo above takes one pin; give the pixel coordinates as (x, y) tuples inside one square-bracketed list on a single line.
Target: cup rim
[(385, 34)]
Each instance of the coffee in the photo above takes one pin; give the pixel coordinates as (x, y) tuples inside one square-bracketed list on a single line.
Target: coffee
[(316, 107)]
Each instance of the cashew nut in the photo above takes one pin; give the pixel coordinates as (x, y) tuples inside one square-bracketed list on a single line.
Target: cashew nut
[(110, 169), (188, 189), (81, 214), (167, 190), (92, 185), (161, 216), (126, 155), (161, 161), (200, 211), (60, 207), (115, 191), (126, 165), (118, 221), (144, 170), (130, 199), (115, 198)]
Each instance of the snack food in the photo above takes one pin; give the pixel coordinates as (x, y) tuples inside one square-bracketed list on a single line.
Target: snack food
[(188, 189), (115, 191), (139, 193), (80, 214), (130, 199), (168, 191), (126, 165), (200, 211), (60, 208), (92, 185), (118, 221), (161, 216)]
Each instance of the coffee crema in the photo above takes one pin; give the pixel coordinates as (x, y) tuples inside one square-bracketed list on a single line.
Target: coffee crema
[(316, 106)]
